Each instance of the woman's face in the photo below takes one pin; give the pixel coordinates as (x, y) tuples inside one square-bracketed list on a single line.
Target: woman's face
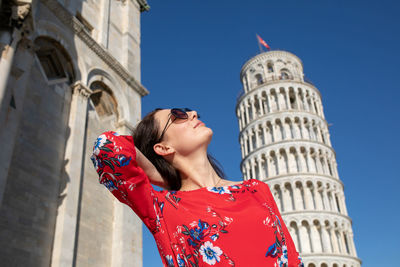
[(184, 135)]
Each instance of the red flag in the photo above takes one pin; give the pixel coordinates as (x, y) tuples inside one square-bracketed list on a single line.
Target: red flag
[(261, 41)]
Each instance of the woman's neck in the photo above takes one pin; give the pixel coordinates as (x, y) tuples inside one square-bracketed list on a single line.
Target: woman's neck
[(196, 172)]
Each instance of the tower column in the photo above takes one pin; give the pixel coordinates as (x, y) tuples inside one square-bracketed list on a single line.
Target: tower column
[(308, 198), (344, 245), (334, 241), (264, 129), (251, 140), (253, 170), (287, 99), (243, 116), (326, 242), (260, 103), (253, 109), (297, 98), (325, 199), (246, 105), (298, 200), (258, 141), (261, 172), (246, 148), (315, 239)]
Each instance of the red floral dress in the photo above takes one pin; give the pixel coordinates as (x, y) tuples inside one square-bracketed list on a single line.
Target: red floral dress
[(237, 225)]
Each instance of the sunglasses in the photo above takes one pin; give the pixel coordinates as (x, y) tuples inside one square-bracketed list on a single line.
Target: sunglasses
[(176, 113)]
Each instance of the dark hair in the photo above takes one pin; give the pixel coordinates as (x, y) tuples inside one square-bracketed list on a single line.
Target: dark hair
[(145, 136)]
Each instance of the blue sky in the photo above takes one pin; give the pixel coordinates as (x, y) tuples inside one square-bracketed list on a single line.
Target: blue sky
[(192, 53)]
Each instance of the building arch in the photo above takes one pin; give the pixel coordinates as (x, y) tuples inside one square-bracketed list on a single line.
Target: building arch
[(55, 62), (51, 30), (99, 75)]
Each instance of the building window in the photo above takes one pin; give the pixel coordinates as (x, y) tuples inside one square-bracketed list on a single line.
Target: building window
[(55, 63), (259, 79), (285, 75), (51, 64), (270, 67), (103, 100)]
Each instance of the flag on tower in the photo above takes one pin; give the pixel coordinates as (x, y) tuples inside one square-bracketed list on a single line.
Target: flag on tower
[(261, 41)]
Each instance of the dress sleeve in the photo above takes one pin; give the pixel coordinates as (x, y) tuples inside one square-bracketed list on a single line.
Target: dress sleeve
[(114, 158), (294, 259)]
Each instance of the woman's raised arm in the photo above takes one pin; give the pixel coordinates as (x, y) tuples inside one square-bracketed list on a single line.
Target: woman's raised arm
[(151, 171)]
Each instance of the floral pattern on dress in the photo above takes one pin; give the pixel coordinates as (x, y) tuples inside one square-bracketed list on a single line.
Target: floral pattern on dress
[(219, 190), (199, 241), (211, 254)]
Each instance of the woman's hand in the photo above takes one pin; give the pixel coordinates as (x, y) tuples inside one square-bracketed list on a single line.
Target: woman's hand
[(151, 171)]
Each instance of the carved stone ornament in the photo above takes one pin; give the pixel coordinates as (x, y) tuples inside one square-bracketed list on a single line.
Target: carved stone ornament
[(79, 88)]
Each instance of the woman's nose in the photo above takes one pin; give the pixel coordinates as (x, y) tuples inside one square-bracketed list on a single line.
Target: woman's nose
[(193, 114)]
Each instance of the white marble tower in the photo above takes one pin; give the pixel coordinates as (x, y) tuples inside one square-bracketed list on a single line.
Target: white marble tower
[(285, 142)]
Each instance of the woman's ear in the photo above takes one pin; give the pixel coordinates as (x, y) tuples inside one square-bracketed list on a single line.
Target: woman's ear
[(163, 150)]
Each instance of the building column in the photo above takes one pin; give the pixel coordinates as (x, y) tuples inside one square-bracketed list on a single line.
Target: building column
[(269, 166), (246, 148), (308, 198), (239, 120), (242, 117), (318, 199), (260, 103), (298, 199), (268, 108), (261, 171), (343, 242), (351, 241), (304, 239), (335, 243), (248, 170), (343, 202), (326, 241), (315, 239), (242, 147), (246, 105), (253, 169), (258, 141), (297, 98), (251, 140), (310, 163), (264, 133), (325, 199), (64, 237), (288, 105), (253, 109), (305, 102)]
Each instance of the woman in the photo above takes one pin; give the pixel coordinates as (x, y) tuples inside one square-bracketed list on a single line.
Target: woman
[(202, 219)]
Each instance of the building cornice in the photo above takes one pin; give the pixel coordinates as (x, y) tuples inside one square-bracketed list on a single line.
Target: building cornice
[(302, 176), (73, 23), (313, 214), (272, 84), (268, 55), (286, 143), (280, 115)]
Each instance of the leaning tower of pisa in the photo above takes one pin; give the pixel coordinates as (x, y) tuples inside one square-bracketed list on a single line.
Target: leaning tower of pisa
[(285, 142)]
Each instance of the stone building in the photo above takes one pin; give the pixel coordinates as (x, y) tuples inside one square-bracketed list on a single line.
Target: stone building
[(68, 71), (285, 142)]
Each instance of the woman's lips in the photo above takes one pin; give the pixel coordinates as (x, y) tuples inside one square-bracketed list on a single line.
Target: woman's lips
[(199, 124)]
